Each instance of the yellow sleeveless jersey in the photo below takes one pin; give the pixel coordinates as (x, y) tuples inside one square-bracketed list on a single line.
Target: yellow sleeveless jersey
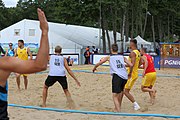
[(22, 53), (136, 65)]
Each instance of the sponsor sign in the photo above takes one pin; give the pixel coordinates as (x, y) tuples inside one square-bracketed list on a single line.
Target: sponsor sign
[(74, 57), (171, 62), (97, 58), (32, 46)]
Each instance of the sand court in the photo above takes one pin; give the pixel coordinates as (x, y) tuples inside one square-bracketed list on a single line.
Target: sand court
[(93, 95)]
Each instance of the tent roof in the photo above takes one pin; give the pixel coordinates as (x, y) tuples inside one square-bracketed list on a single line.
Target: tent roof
[(140, 40), (65, 35)]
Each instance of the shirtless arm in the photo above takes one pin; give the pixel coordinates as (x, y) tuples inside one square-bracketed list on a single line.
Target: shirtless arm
[(29, 53), (70, 72), (133, 61), (12, 64), (145, 64)]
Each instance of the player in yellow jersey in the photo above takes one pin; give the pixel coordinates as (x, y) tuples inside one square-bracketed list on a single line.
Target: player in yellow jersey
[(134, 57), (22, 53)]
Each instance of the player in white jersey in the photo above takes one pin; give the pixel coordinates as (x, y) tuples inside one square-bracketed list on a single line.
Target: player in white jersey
[(119, 74), (58, 64)]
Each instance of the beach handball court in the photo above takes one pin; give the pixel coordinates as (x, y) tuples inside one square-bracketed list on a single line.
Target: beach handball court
[(93, 95)]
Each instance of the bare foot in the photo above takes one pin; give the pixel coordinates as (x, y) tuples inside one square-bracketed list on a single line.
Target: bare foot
[(153, 97), (71, 104), (115, 110), (43, 105), (154, 94)]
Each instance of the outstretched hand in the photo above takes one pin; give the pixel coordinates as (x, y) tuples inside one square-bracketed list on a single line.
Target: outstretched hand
[(43, 21), (94, 69), (78, 83)]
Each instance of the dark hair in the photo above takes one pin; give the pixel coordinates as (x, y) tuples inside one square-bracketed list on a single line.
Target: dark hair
[(144, 49), (22, 41), (134, 41), (10, 44), (114, 47), (58, 49)]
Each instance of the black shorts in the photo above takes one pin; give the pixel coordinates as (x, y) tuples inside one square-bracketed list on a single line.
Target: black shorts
[(53, 79), (118, 84)]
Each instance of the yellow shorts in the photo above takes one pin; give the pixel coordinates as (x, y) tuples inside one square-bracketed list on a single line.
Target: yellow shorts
[(149, 79), (17, 74), (24, 75), (130, 82)]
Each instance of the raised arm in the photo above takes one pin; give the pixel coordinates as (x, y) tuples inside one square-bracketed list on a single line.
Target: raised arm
[(30, 66), (70, 72), (100, 63)]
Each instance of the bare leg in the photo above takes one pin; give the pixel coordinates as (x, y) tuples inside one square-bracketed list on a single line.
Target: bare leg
[(120, 98), (131, 98), (25, 82), (45, 93), (116, 102), (151, 91), (70, 102), (18, 80), (128, 95)]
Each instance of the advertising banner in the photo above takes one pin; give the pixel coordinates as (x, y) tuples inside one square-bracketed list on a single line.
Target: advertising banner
[(32, 46), (74, 57), (170, 62), (98, 57)]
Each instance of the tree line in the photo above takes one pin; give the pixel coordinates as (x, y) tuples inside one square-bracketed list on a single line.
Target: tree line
[(153, 20)]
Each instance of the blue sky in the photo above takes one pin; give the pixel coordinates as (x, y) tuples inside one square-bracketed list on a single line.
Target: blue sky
[(10, 3)]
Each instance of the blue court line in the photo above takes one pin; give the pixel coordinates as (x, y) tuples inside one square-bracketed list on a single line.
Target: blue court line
[(95, 113), (88, 71)]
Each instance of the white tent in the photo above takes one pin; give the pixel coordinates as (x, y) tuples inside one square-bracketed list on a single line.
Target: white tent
[(140, 41), (72, 38)]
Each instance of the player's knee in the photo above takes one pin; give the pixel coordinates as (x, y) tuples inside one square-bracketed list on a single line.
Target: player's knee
[(115, 95), (142, 89), (126, 91)]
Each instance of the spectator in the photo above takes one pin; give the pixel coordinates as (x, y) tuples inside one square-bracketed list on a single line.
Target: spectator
[(10, 52), (87, 56), (1, 51), (171, 50), (128, 51), (70, 61), (94, 50)]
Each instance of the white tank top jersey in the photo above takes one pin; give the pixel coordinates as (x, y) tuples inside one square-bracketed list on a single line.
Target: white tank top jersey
[(56, 66), (117, 66)]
